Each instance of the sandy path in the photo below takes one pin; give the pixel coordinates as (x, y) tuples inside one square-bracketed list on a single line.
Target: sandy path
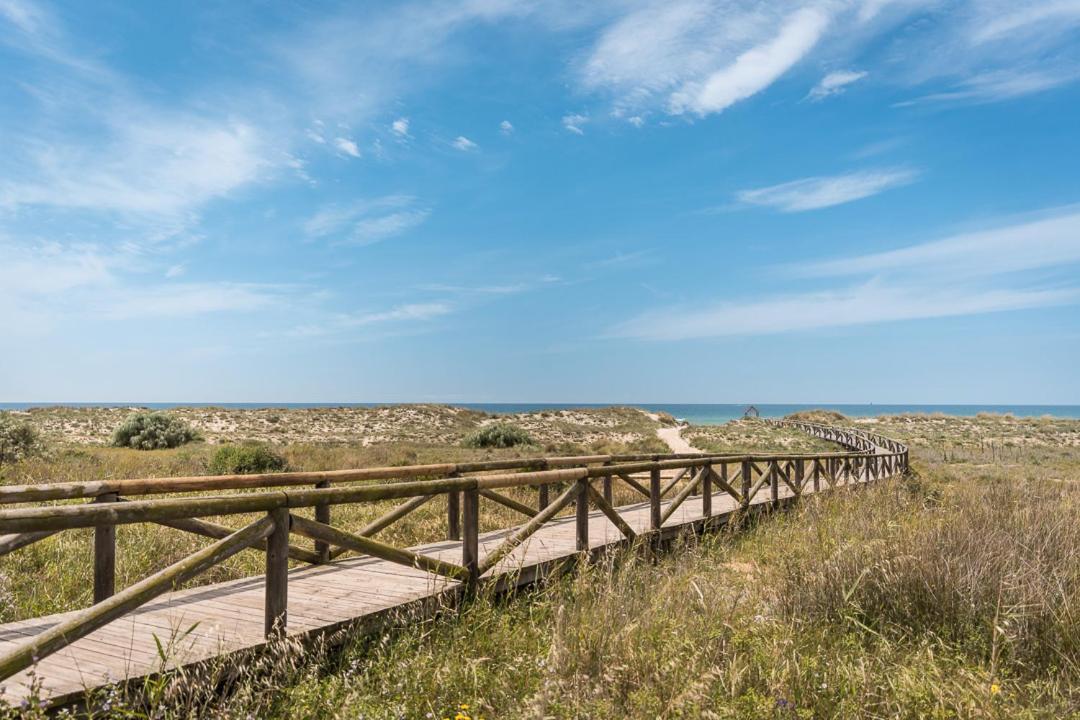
[(673, 437)]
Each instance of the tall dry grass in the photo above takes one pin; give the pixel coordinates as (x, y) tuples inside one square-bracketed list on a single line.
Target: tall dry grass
[(931, 597)]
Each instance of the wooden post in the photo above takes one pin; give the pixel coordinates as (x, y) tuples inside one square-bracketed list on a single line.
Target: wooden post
[(817, 475), (104, 555), (453, 515), (277, 574), (470, 546), (322, 514), (747, 468), (774, 483), (581, 516), (800, 474), (608, 491), (654, 498), (706, 488), (545, 496)]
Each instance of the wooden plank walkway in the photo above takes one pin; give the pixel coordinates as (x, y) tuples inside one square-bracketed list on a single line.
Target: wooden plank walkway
[(205, 622)]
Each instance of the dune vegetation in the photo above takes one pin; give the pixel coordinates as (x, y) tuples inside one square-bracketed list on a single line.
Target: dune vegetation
[(951, 593)]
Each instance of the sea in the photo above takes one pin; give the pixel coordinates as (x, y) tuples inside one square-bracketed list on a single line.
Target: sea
[(698, 414)]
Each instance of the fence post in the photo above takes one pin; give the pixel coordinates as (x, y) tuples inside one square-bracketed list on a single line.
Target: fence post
[(706, 488), (747, 469), (654, 498), (774, 483), (800, 474), (275, 617), (470, 546), (545, 496), (453, 515), (817, 475), (104, 555), (581, 515), (608, 491), (322, 514)]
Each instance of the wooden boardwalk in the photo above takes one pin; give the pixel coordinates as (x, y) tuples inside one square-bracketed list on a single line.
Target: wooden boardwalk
[(205, 622)]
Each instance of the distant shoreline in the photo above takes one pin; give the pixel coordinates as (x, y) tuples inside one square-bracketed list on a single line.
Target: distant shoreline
[(702, 414)]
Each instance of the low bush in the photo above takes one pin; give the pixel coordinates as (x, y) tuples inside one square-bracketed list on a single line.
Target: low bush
[(17, 439), (498, 435), (153, 431), (825, 417), (246, 459)]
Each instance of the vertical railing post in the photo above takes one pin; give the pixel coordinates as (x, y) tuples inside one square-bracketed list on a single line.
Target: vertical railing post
[(453, 515), (817, 475), (581, 515), (747, 469), (545, 496), (322, 514), (609, 493), (799, 474), (654, 498), (706, 488), (104, 555), (774, 483), (275, 618), (470, 544)]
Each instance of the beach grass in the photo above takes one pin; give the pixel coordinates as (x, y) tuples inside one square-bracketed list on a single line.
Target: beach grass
[(951, 593)]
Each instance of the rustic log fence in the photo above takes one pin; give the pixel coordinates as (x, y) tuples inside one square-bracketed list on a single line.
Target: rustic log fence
[(276, 496)]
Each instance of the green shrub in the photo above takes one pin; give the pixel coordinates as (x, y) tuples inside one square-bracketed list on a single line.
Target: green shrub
[(246, 459), (153, 431), (498, 435), (17, 439)]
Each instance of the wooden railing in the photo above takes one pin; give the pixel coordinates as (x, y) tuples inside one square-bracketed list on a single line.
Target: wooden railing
[(742, 477)]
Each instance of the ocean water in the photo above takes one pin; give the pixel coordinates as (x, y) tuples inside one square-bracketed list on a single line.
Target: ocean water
[(700, 414)]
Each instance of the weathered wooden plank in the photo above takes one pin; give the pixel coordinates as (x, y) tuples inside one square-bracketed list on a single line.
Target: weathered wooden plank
[(508, 502), (318, 531)]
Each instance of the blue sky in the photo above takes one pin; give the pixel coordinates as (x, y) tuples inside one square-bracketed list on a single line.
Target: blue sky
[(679, 201)]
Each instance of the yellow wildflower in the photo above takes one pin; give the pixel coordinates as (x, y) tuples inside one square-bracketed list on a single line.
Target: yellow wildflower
[(995, 689)]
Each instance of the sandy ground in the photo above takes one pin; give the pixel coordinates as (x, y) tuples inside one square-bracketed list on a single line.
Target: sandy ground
[(674, 439), (672, 436)]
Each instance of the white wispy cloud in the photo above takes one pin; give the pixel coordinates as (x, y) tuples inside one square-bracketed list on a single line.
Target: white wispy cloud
[(506, 127), (463, 143), (371, 230), (754, 69), (503, 289), (347, 146), (985, 271), (1049, 241), (366, 221), (400, 127), (700, 57), (865, 304), (826, 191), (574, 123), (834, 83), (151, 164), (996, 86), (46, 284), (1021, 18), (408, 313), (188, 299)]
